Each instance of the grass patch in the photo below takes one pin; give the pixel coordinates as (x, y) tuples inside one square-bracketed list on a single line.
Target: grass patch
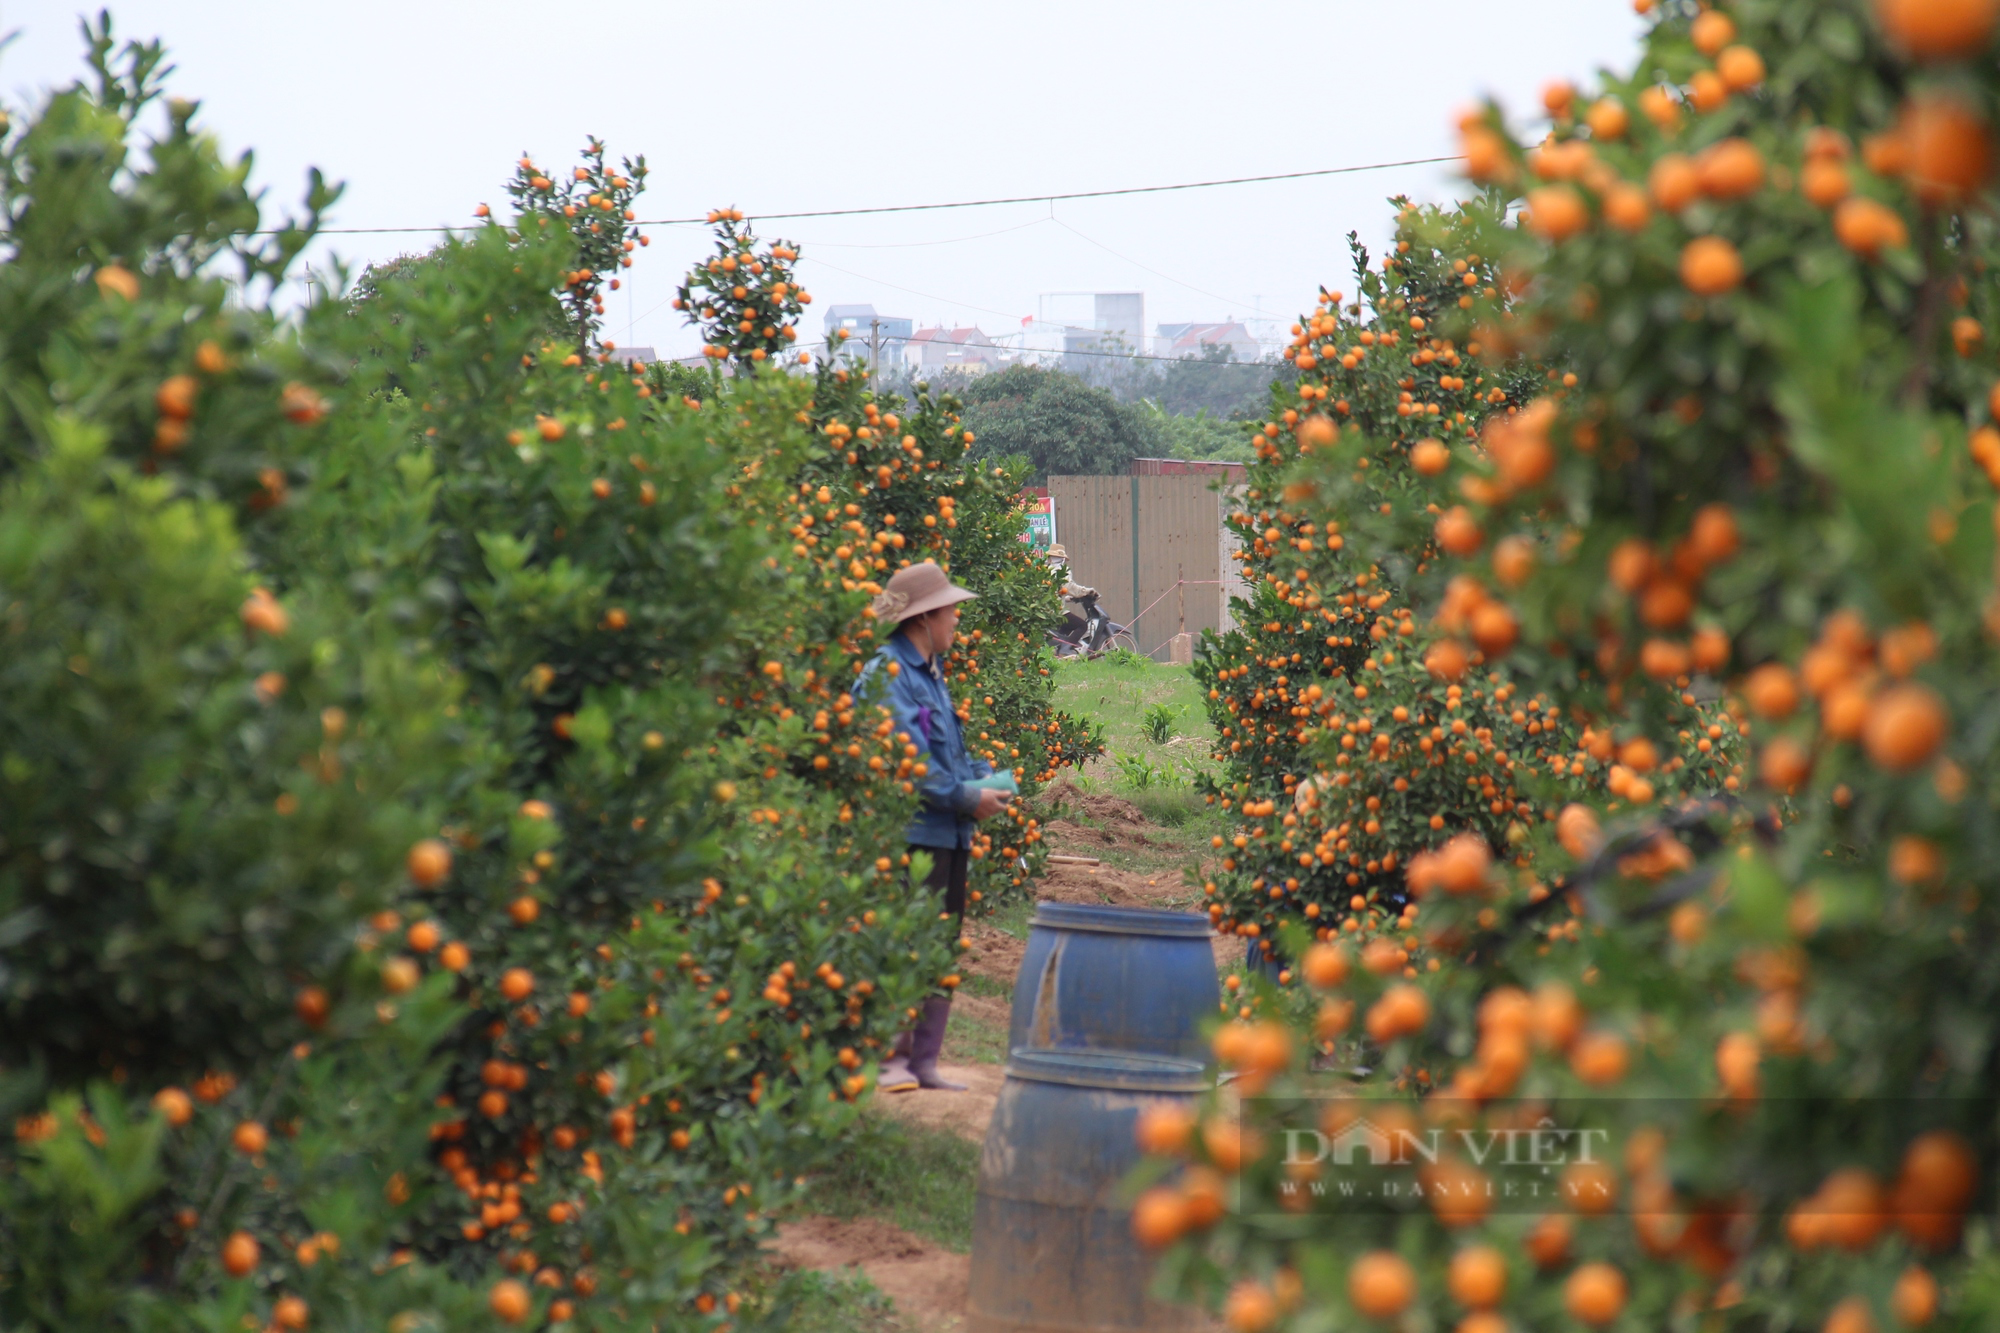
[(1158, 742), (843, 1302), (975, 984), (921, 1180), (1157, 736), (1013, 915), (974, 1041), (1118, 695), (1175, 807)]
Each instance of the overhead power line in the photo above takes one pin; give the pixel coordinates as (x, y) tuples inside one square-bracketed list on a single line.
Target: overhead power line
[(919, 245), (957, 203), (1076, 194)]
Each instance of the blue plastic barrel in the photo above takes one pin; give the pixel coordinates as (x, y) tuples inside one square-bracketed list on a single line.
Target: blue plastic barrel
[(1052, 1243), (1129, 979)]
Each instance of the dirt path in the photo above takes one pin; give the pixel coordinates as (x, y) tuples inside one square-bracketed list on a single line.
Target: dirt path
[(926, 1281), (1139, 866), (965, 1114), (994, 954)]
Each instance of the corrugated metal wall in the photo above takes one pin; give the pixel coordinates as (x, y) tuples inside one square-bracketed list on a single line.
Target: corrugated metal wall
[(1132, 538), (1094, 524), (1178, 517)]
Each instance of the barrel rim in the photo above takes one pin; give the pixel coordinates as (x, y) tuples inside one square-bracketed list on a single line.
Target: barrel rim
[(1122, 1071), (1121, 920)]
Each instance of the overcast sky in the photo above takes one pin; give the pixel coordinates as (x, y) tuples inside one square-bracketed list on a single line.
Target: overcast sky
[(422, 106)]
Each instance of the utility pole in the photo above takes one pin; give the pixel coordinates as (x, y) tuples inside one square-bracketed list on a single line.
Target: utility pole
[(874, 348)]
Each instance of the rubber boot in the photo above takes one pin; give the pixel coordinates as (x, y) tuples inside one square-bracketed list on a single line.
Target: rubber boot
[(896, 1075), (927, 1041)]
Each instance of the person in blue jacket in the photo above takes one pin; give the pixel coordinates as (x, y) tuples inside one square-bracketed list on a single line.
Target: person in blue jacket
[(957, 790)]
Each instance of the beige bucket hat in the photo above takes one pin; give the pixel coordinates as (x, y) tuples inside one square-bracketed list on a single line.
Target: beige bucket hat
[(916, 589)]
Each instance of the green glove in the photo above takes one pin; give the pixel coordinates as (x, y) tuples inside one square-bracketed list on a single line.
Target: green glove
[(1000, 781)]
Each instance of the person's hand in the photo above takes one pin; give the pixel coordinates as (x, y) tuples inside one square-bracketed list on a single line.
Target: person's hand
[(991, 803)]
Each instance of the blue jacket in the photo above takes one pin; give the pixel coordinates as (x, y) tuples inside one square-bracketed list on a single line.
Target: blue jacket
[(921, 704)]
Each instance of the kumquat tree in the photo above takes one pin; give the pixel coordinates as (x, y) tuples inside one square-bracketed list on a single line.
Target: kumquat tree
[(889, 483), (1393, 716), (1738, 1010), (594, 203), (1323, 841), (222, 788), (473, 892)]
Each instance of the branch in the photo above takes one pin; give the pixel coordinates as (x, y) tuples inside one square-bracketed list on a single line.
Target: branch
[(1692, 817)]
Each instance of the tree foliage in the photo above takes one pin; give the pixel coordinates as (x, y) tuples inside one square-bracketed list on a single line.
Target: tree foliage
[(446, 871), (1197, 437), (1748, 485), (1055, 421), (1213, 384)]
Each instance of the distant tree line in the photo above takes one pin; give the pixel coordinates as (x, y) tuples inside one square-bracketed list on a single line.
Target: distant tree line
[(1116, 409), (1214, 384)]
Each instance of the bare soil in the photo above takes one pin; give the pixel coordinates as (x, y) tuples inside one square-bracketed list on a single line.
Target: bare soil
[(965, 1114), (1121, 820), (1111, 885), (992, 1010), (994, 954), (1118, 887), (926, 1281)]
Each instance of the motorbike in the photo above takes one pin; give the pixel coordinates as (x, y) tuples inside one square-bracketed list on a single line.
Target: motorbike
[(1087, 635)]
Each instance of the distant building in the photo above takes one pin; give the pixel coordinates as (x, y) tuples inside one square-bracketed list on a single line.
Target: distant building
[(1117, 328), (1122, 316), (967, 347), (1174, 341), (862, 325), (635, 356)]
